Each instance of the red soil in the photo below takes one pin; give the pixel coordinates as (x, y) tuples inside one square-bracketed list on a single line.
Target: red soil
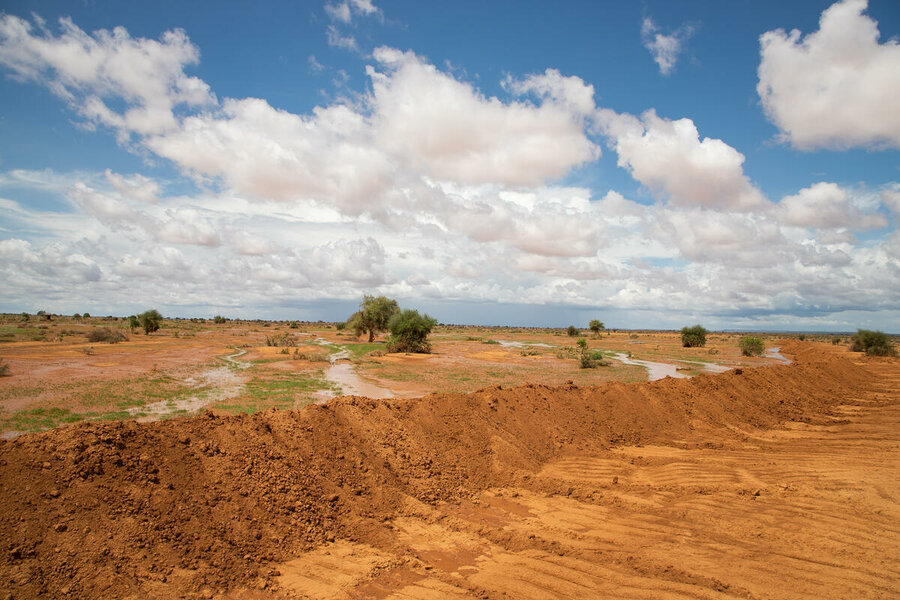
[(415, 492)]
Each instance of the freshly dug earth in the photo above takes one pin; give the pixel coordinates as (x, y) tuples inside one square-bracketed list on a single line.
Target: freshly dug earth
[(672, 489)]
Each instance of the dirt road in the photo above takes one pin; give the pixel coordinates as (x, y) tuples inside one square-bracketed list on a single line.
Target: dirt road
[(778, 482)]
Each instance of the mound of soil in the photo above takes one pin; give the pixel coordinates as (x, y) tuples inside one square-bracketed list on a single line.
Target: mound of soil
[(185, 507)]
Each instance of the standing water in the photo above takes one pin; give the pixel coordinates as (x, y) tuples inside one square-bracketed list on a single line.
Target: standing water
[(655, 370)]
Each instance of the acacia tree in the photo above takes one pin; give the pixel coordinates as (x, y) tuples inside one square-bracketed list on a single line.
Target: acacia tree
[(596, 326), (150, 320), (373, 315)]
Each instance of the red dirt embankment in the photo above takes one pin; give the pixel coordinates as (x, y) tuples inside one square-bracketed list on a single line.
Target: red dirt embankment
[(168, 509)]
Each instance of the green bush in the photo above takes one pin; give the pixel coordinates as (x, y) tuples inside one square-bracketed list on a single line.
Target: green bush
[(802, 337), (752, 346), (595, 326), (836, 341), (693, 337), (873, 343), (149, 320), (105, 334), (219, 319), (409, 332), (572, 331)]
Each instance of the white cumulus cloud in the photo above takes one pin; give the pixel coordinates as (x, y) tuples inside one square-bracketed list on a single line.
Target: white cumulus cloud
[(664, 48), (826, 205), (833, 88), (86, 70), (671, 160)]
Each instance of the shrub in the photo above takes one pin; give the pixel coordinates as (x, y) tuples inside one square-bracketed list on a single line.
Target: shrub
[(802, 337), (693, 337), (340, 326), (150, 320), (588, 359), (77, 316), (25, 317), (295, 325), (572, 331), (284, 339), (219, 319), (105, 334), (595, 326), (752, 346), (409, 332), (317, 356), (489, 341), (133, 323), (873, 343), (835, 341)]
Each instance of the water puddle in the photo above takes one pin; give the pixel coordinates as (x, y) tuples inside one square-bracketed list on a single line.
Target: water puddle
[(224, 384), (345, 377), (513, 344), (775, 354), (714, 368), (230, 359), (655, 370)]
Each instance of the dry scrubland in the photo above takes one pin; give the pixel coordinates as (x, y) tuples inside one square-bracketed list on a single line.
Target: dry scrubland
[(775, 481), (57, 376)]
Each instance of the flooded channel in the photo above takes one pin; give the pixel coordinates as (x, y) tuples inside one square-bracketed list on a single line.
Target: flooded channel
[(775, 354), (655, 370), (343, 374)]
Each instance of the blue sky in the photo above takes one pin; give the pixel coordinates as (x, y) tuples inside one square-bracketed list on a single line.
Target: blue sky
[(650, 164)]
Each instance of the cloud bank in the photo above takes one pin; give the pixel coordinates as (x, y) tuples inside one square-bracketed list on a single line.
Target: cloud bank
[(423, 187)]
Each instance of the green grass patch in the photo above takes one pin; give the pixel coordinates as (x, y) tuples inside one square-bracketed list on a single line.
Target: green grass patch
[(278, 391), (39, 419), (361, 349)]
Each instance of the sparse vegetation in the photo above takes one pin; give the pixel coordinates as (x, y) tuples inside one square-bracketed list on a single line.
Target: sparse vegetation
[(294, 325), (873, 343), (752, 346), (219, 319), (572, 331), (105, 334), (150, 321), (802, 337), (279, 340), (693, 337), (596, 326), (588, 359), (316, 356), (133, 323), (373, 316), (409, 332), (836, 340), (4, 369)]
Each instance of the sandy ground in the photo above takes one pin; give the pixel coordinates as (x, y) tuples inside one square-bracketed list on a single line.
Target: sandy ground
[(806, 511), (778, 482)]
